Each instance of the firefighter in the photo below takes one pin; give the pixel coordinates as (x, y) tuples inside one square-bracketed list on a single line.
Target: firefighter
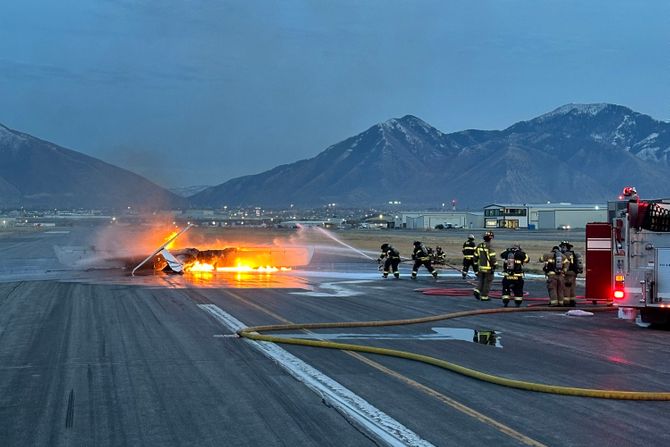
[(555, 266), (485, 258), (421, 256), (431, 253), (440, 256), (468, 255), (513, 260), (391, 258), (575, 267)]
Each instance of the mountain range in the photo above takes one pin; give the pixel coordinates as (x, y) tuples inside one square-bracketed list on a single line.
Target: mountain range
[(38, 174), (579, 153)]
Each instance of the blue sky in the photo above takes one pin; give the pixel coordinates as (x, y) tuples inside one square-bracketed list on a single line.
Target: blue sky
[(190, 92)]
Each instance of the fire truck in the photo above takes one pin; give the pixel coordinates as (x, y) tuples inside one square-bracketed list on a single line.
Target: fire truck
[(628, 258)]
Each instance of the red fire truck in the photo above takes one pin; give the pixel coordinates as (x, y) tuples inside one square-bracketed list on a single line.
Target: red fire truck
[(628, 258)]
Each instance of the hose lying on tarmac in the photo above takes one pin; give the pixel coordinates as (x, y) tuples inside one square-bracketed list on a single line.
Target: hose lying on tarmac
[(253, 333)]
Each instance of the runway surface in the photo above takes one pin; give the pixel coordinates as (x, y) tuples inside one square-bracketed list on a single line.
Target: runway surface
[(99, 358)]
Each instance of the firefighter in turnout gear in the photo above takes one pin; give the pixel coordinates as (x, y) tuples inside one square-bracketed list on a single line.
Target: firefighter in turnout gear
[(440, 257), (575, 267), (469, 255), (485, 258), (421, 256), (513, 260), (555, 266), (391, 258)]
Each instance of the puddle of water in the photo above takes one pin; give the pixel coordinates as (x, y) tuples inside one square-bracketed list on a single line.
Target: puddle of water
[(481, 336)]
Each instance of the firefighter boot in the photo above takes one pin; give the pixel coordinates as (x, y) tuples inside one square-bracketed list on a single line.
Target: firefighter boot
[(517, 302), (464, 274), (476, 293), (505, 300), (396, 275), (484, 298), (434, 273)]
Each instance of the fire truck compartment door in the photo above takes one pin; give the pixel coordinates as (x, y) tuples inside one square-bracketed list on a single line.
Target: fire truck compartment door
[(663, 273)]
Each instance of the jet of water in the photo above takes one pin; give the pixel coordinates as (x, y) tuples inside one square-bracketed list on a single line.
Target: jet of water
[(332, 236)]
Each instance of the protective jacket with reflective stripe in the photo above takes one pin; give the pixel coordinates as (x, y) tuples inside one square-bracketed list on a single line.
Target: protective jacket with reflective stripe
[(469, 249), (485, 256), (420, 253)]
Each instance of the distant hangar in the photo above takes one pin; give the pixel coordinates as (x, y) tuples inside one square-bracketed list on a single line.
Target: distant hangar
[(545, 216)]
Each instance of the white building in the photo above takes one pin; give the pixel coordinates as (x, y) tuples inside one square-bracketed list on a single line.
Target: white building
[(427, 220), (543, 216)]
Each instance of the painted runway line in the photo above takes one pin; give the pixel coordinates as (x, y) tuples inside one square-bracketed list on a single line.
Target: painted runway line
[(357, 409)]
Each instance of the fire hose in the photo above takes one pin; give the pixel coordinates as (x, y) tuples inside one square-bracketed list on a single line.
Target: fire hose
[(253, 333)]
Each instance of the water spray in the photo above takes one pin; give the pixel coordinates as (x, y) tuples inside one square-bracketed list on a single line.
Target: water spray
[(332, 236)]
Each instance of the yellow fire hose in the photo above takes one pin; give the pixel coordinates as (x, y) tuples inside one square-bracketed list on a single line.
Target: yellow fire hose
[(253, 333)]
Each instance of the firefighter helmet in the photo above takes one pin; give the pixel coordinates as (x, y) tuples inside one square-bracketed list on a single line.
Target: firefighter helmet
[(488, 235), (629, 191), (417, 243), (516, 247), (471, 237), (385, 247)]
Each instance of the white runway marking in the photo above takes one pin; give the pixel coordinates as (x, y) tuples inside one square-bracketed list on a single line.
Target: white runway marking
[(353, 406), (337, 290)]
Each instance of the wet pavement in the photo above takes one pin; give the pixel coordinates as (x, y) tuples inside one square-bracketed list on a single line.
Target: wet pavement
[(97, 357)]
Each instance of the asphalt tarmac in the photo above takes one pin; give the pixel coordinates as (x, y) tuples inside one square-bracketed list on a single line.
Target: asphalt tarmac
[(95, 357)]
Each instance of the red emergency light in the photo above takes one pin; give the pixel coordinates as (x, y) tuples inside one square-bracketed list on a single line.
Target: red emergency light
[(618, 287)]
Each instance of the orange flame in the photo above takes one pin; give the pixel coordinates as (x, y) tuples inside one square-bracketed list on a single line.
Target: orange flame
[(251, 260), (200, 267), (171, 244)]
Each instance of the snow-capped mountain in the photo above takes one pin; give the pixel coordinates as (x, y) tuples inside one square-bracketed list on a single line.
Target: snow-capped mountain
[(38, 174), (576, 153)]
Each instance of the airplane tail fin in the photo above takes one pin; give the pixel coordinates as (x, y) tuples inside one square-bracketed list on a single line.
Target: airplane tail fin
[(173, 263)]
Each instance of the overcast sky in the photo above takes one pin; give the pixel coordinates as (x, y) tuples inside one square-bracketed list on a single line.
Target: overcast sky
[(192, 92)]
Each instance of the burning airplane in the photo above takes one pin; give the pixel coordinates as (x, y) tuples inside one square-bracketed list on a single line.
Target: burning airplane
[(166, 258)]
